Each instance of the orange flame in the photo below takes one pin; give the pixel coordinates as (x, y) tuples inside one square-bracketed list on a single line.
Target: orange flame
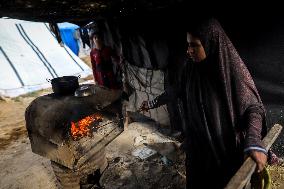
[(83, 127)]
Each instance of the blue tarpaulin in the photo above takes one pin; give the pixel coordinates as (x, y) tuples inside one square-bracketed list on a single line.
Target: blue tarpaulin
[(67, 34)]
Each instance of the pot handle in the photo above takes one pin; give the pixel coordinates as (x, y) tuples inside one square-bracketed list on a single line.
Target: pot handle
[(48, 80), (79, 76)]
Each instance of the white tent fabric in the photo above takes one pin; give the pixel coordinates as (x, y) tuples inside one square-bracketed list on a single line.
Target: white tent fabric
[(30, 54)]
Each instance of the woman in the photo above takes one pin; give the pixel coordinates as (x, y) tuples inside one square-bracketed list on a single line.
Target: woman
[(102, 58), (222, 110)]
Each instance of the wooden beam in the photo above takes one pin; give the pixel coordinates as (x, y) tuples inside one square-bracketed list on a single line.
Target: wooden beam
[(239, 180)]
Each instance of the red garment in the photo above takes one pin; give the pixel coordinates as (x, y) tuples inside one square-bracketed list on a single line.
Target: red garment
[(103, 67)]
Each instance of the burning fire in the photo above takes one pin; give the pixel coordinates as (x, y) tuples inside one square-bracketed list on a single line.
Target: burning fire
[(84, 127)]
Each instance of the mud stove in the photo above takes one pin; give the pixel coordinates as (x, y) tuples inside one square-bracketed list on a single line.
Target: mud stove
[(73, 133)]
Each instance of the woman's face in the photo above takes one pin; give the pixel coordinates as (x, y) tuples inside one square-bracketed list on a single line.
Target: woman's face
[(97, 40), (195, 49)]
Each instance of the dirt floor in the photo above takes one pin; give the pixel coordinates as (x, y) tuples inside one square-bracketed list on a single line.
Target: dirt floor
[(20, 168)]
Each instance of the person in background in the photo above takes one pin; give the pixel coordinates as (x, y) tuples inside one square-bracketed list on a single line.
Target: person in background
[(84, 37), (105, 63), (223, 115)]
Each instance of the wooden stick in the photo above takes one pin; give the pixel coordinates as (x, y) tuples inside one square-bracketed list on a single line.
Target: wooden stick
[(182, 175), (239, 180)]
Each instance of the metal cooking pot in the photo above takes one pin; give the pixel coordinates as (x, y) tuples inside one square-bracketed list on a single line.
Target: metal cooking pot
[(85, 90), (65, 85)]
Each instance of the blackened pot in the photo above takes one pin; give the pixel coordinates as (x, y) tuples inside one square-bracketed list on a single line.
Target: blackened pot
[(65, 85)]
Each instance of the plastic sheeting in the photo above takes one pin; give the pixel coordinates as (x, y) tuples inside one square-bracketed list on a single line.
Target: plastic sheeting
[(147, 85), (30, 54), (67, 31)]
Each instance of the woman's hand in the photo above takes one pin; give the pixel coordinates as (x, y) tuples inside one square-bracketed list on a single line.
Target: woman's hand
[(144, 106), (260, 159)]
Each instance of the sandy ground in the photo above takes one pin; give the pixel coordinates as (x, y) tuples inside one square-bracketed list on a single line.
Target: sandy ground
[(20, 168)]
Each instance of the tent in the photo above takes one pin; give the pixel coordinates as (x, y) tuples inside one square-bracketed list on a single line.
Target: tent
[(75, 38), (67, 31), (30, 54)]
